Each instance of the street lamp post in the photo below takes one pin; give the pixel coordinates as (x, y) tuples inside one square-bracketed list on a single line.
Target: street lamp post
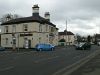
[(66, 32), (18, 41)]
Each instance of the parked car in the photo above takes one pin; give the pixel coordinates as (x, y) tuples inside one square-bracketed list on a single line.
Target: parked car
[(2, 48), (45, 47), (83, 46), (92, 43), (98, 43), (75, 44)]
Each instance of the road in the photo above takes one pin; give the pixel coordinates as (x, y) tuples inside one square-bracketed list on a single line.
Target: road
[(40, 63)]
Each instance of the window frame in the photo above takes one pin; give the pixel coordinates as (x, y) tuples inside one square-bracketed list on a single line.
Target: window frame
[(25, 27), (40, 27), (6, 41), (6, 29)]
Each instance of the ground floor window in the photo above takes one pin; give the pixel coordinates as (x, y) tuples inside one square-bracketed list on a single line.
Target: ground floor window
[(39, 39), (14, 41), (6, 41)]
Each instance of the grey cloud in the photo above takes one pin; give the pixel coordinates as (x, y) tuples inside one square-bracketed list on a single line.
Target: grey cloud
[(82, 24), (78, 12)]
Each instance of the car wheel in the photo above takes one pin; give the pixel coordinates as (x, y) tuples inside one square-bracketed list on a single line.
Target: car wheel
[(52, 49), (83, 48), (40, 49)]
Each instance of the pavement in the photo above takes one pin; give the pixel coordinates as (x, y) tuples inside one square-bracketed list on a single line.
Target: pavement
[(90, 68)]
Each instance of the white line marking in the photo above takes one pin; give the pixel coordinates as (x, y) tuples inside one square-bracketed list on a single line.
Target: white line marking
[(85, 59), (76, 57), (7, 68)]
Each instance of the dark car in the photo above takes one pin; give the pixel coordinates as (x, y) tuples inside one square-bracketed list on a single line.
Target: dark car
[(2, 48), (98, 43), (44, 47), (83, 46)]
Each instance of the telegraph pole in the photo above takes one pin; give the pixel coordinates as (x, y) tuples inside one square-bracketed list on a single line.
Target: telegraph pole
[(66, 32), (18, 40)]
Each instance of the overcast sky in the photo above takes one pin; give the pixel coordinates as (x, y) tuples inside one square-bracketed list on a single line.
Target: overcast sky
[(83, 16)]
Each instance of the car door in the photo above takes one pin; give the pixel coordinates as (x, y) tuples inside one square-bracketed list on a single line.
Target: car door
[(49, 47), (45, 47)]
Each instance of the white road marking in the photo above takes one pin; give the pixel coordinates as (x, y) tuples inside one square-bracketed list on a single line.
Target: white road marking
[(74, 65), (76, 57), (7, 68)]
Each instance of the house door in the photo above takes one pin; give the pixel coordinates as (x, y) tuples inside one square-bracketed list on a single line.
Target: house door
[(14, 42), (27, 43)]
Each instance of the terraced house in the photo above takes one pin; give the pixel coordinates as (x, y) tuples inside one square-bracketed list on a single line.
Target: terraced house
[(29, 31)]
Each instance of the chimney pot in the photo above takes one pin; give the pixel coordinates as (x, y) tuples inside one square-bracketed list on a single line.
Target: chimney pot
[(47, 16), (35, 9)]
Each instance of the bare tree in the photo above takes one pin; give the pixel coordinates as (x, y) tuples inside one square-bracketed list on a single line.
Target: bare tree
[(89, 38), (8, 17)]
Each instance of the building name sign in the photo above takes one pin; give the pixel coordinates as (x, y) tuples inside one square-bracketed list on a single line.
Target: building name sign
[(26, 34)]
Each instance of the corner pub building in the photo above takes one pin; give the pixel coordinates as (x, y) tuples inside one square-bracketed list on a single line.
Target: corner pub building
[(26, 32)]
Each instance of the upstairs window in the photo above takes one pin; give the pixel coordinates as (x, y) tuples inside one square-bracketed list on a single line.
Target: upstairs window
[(39, 39), (52, 29), (46, 27), (14, 28), (6, 29), (25, 27), (40, 28)]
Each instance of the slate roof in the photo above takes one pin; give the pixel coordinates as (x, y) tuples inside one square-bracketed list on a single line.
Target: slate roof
[(64, 33), (34, 18)]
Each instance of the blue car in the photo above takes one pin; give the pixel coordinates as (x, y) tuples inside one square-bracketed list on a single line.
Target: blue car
[(44, 47)]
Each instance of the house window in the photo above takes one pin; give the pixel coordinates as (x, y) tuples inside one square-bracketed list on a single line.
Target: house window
[(14, 40), (69, 38), (25, 27), (6, 29), (47, 36), (39, 39), (52, 29), (46, 27), (14, 28), (40, 28), (6, 41)]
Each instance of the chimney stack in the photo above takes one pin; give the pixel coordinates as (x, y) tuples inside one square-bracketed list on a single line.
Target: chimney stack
[(47, 16), (35, 10)]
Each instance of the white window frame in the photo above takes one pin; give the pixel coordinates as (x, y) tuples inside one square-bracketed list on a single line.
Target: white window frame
[(6, 41), (25, 27), (6, 29), (14, 28), (40, 27)]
